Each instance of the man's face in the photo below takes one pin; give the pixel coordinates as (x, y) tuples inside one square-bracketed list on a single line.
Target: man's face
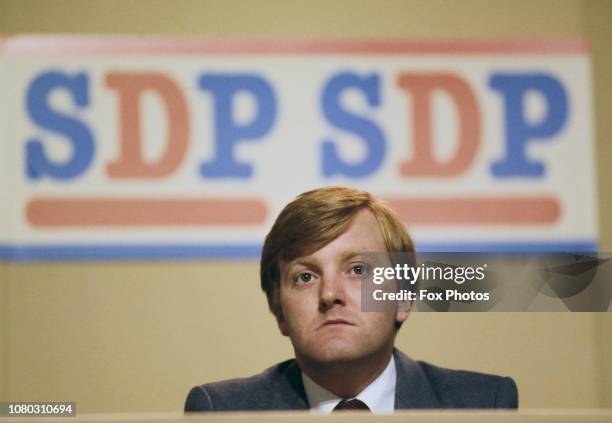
[(320, 297)]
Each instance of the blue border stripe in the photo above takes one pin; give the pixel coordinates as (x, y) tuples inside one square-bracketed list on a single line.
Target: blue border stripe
[(510, 247), (129, 252), (133, 252)]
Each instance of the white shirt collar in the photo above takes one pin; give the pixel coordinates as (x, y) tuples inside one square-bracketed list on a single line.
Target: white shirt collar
[(379, 395)]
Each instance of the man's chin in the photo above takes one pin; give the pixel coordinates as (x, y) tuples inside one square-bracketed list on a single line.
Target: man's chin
[(334, 352)]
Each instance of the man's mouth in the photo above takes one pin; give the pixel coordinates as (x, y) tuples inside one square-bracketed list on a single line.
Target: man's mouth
[(334, 322)]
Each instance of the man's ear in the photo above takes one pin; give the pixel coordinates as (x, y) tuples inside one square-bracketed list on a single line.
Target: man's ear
[(400, 316), (403, 309), (282, 323)]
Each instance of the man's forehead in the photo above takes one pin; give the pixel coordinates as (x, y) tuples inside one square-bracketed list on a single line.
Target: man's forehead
[(362, 236)]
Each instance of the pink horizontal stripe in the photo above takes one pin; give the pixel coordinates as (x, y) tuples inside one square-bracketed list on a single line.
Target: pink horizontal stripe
[(84, 45), (477, 211), (73, 212)]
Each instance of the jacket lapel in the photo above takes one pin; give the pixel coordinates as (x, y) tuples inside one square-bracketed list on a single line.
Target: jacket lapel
[(289, 392), (412, 389)]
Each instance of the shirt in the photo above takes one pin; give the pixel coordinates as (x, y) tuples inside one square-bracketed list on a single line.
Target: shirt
[(379, 395)]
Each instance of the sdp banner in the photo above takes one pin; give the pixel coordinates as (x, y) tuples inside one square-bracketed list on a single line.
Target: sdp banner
[(123, 148)]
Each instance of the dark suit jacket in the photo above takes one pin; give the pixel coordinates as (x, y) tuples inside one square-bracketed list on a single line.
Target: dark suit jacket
[(419, 385)]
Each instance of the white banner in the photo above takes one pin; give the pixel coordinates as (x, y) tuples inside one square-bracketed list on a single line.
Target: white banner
[(119, 148)]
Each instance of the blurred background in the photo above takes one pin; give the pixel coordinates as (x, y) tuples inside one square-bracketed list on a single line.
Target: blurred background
[(135, 336)]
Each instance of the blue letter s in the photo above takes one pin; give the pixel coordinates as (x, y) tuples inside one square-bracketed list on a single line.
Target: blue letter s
[(371, 134), (76, 132)]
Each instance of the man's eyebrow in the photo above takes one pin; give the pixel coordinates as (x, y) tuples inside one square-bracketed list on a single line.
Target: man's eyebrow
[(303, 261), (352, 254), (308, 261)]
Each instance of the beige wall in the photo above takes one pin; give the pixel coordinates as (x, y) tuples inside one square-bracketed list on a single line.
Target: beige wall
[(339, 18), (599, 29), (3, 330), (136, 336)]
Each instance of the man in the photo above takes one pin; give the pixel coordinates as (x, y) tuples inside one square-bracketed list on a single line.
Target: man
[(311, 270)]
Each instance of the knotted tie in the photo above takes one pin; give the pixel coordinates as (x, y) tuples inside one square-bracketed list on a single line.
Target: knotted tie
[(352, 404)]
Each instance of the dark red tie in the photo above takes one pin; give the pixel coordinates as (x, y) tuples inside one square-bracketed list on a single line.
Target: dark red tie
[(352, 404)]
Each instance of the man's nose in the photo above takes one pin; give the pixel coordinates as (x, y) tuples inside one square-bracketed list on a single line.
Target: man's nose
[(332, 292)]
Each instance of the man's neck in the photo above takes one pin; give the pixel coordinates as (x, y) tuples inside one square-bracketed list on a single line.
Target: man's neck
[(345, 379)]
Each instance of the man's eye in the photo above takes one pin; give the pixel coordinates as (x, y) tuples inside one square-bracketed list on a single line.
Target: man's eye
[(304, 277), (359, 269)]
